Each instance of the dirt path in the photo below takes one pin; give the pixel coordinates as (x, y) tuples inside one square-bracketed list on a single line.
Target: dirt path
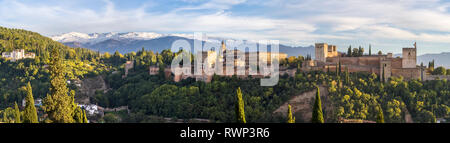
[(302, 104), (408, 118)]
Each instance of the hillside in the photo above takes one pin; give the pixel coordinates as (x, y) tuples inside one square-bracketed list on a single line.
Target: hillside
[(79, 63)]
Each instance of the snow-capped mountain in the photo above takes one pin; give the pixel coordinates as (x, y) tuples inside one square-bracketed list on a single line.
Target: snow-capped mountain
[(95, 38), (134, 41)]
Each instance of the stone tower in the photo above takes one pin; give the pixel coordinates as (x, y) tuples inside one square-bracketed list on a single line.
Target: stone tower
[(386, 65), (409, 57), (321, 51), (224, 47)]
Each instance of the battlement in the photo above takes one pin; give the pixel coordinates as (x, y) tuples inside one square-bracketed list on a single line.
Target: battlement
[(324, 51)]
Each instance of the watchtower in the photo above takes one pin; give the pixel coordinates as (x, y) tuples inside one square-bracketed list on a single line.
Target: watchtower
[(321, 51), (409, 57)]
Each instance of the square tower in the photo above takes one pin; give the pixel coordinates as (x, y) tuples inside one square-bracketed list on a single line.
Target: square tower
[(409, 59), (332, 51), (386, 69), (321, 51)]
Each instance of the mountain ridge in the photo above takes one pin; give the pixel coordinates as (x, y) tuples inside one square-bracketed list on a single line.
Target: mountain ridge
[(134, 41)]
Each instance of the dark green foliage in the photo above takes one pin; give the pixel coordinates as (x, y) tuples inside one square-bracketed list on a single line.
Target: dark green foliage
[(347, 76), (317, 114), (30, 114), (240, 113), (85, 120), (291, 119), (340, 68), (58, 105), (380, 116), (440, 71), (349, 51), (16, 113)]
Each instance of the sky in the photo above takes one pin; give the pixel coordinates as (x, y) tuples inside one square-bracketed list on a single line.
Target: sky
[(384, 24)]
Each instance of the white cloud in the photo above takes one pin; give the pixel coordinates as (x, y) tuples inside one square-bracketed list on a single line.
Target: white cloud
[(290, 21)]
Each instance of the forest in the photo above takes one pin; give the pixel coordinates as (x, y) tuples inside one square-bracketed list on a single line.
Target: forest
[(152, 98)]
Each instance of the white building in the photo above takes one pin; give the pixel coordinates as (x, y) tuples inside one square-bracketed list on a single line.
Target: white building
[(37, 102), (90, 109), (17, 55)]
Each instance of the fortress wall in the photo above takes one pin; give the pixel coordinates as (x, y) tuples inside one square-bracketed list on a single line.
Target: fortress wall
[(369, 61), (367, 69), (373, 61), (434, 77), (397, 63), (407, 73)]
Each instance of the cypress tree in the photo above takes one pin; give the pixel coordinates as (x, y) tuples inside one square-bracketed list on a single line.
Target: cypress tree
[(382, 76), (16, 113), (291, 119), (347, 76), (30, 114), (317, 114), (57, 104), (78, 115), (337, 73), (5, 117), (360, 51), (370, 50), (85, 120), (240, 113), (340, 68), (349, 51), (380, 116)]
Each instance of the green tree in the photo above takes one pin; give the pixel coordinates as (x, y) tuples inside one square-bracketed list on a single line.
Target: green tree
[(340, 67), (240, 113), (16, 113), (78, 115), (5, 117), (317, 114), (380, 116), (107, 55), (370, 50), (85, 120), (440, 71), (349, 51), (347, 76), (57, 104), (291, 119), (337, 73), (30, 114), (360, 51)]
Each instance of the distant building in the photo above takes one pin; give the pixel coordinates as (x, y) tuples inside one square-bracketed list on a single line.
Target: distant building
[(90, 109), (212, 58), (18, 55), (441, 120), (128, 65), (327, 57), (37, 102)]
